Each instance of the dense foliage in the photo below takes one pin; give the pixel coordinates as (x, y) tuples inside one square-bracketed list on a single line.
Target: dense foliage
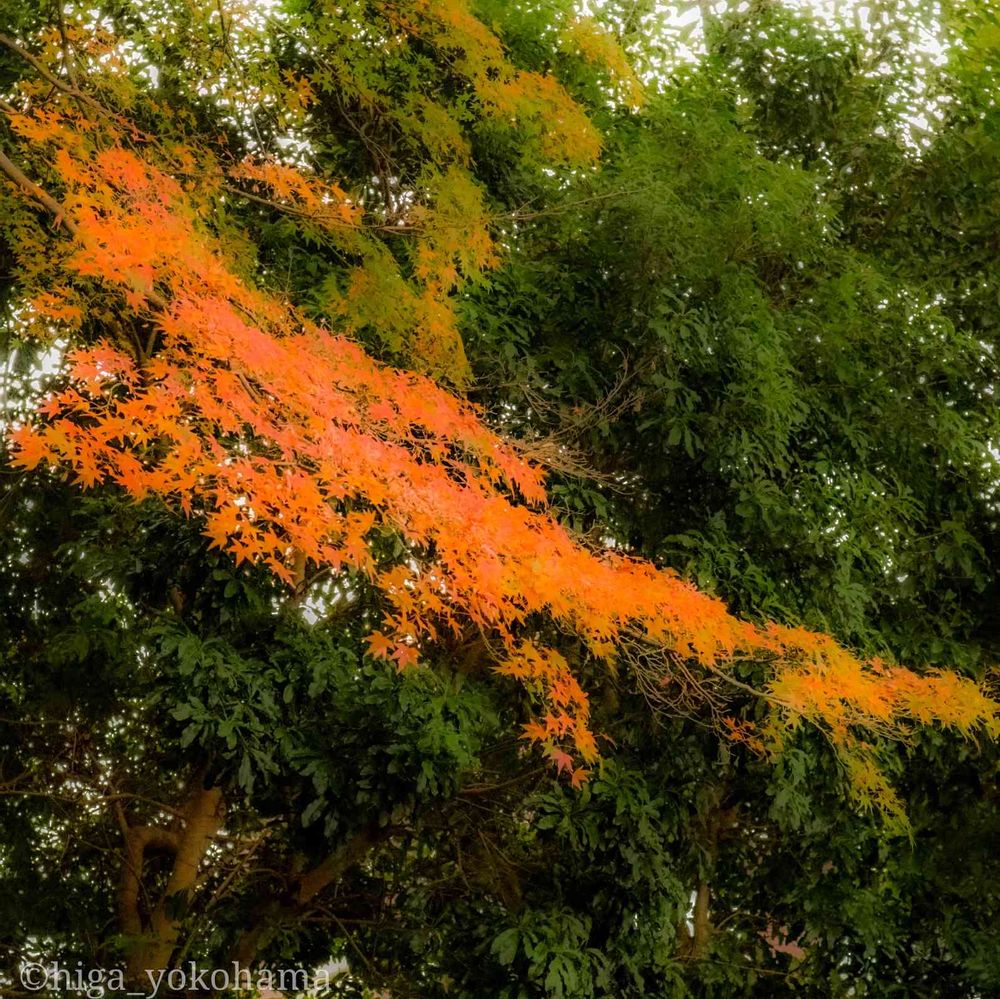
[(356, 369)]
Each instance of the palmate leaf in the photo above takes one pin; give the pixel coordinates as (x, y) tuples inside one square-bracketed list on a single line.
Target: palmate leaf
[(296, 447)]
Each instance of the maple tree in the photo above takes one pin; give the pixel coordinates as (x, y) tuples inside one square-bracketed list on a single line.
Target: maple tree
[(275, 429), (323, 437)]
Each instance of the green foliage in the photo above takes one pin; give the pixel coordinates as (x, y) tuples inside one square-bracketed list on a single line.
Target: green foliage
[(758, 344)]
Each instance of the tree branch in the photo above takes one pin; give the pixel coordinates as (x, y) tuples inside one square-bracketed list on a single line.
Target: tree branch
[(19, 177), (202, 821), (138, 840), (307, 887), (39, 194), (196, 825), (50, 77)]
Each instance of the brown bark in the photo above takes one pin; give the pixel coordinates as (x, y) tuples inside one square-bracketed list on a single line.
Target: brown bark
[(36, 193), (694, 944), (700, 922), (338, 863), (157, 936), (138, 840), (306, 888)]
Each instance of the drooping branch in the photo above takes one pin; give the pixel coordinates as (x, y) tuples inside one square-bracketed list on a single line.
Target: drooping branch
[(285, 437)]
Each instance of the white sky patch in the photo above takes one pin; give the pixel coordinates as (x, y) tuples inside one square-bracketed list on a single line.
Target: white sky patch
[(915, 35)]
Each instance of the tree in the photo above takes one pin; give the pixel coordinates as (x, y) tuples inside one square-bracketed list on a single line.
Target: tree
[(746, 341), (278, 522)]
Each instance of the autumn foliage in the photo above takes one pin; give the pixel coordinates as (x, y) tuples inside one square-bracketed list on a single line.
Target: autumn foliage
[(294, 447)]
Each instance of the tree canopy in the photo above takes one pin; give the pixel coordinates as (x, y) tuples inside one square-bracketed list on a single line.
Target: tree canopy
[(495, 502)]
